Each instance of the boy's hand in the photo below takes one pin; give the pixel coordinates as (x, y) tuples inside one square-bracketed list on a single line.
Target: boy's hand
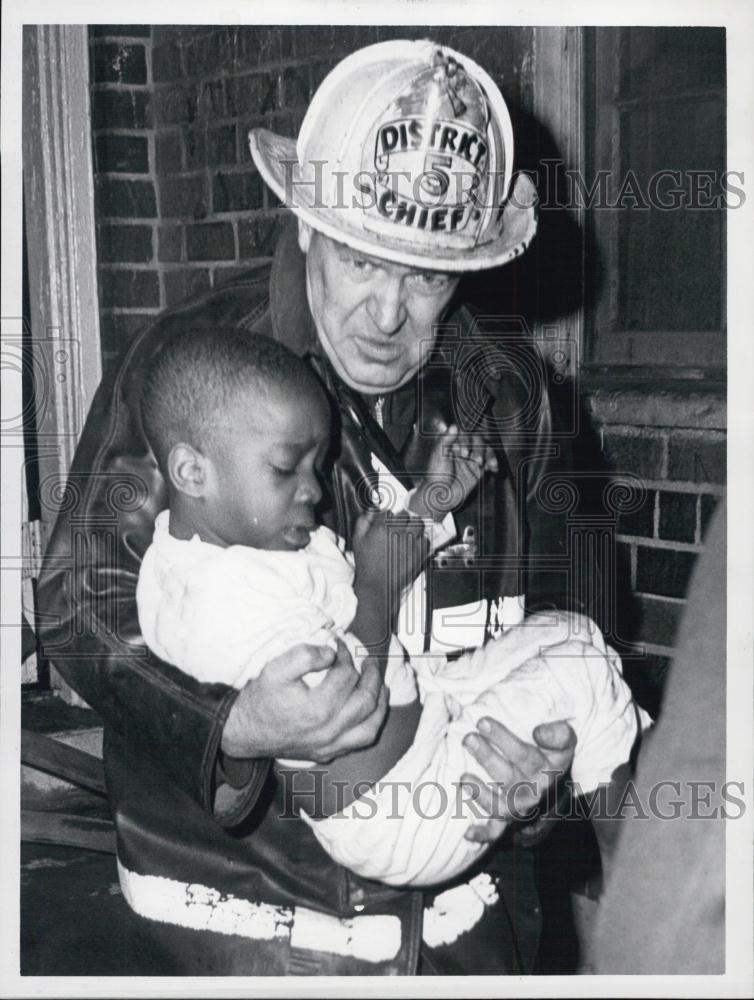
[(389, 551), (455, 467)]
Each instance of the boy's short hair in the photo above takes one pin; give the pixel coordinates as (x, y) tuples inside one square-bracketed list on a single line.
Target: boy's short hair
[(198, 376)]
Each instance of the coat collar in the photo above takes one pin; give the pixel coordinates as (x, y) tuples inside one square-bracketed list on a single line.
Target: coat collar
[(292, 323)]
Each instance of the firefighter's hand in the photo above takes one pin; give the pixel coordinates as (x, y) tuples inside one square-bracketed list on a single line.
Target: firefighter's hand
[(520, 773), (277, 715)]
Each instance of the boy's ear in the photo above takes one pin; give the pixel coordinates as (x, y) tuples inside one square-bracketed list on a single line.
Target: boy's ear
[(187, 469), (304, 235)]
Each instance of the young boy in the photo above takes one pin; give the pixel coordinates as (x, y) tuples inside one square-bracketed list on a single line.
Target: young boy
[(239, 572)]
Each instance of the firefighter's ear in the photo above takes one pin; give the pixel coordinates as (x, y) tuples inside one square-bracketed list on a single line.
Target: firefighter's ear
[(188, 469)]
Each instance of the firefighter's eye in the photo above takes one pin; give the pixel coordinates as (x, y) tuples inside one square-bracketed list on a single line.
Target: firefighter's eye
[(361, 265), (430, 281)]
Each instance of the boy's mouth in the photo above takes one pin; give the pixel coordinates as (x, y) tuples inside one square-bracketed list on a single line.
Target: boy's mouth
[(298, 536)]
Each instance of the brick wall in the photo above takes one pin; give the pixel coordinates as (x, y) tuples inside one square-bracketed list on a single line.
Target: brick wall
[(672, 438), (211, 86), (126, 193)]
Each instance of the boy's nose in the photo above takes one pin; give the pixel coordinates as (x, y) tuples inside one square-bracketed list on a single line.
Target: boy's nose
[(309, 490)]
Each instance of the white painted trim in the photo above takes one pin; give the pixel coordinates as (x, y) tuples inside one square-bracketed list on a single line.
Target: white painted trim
[(456, 911), (62, 251), (59, 196), (369, 938)]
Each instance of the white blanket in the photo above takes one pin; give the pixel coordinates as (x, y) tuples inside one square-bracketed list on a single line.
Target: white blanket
[(409, 829)]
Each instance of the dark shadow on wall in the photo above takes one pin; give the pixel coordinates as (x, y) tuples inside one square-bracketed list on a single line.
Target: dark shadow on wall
[(548, 282)]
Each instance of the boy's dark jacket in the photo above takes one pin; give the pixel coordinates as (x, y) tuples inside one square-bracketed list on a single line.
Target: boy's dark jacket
[(163, 728)]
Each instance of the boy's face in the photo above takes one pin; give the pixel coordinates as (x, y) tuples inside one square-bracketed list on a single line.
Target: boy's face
[(263, 480)]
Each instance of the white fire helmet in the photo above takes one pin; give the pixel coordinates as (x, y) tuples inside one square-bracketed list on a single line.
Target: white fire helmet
[(406, 153)]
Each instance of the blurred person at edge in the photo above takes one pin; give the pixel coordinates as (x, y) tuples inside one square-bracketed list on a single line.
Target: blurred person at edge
[(217, 879), (670, 854)]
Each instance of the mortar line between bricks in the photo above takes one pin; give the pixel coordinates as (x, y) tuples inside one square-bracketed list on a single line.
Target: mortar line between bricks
[(243, 264), (653, 432), (672, 486), (102, 87), (656, 515), (245, 120), (128, 265), (698, 533), (123, 130), (294, 62), (148, 50), (127, 220), (197, 266), (163, 291), (132, 311), (191, 265), (665, 460), (128, 175), (95, 39), (247, 167), (237, 215)]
